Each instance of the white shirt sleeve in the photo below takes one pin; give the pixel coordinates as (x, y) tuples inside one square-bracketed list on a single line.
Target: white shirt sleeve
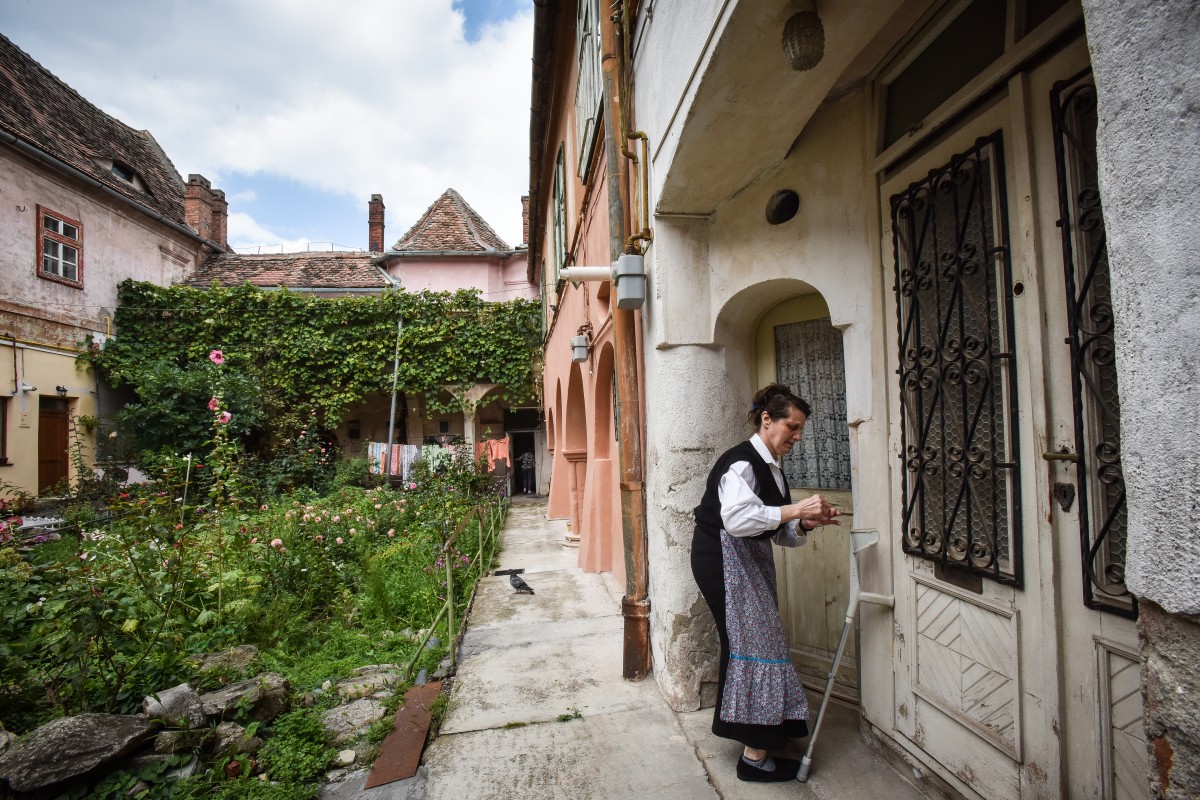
[(743, 513)]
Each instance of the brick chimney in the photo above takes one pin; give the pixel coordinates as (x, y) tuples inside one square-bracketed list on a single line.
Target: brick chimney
[(197, 205), (525, 219), (375, 224), (220, 219), (206, 210)]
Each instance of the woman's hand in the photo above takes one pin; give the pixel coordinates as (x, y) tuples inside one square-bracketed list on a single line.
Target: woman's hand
[(813, 512)]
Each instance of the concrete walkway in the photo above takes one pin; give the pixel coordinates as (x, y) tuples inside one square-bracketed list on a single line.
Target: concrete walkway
[(539, 709)]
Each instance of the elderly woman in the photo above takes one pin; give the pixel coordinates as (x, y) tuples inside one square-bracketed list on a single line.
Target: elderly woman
[(746, 506)]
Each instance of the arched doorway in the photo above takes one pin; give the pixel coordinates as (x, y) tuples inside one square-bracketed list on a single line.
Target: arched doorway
[(796, 344)]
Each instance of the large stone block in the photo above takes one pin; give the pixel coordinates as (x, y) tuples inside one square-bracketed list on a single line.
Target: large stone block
[(71, 746)]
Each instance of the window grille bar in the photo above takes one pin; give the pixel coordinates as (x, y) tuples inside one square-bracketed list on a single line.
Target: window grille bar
[(961, 496), (1096, 412)]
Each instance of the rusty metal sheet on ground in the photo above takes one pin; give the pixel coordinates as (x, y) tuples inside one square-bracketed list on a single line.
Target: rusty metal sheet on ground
[(400, 753)]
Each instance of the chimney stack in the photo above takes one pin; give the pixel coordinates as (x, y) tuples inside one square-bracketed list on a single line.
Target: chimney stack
[(220, 219), (375, 224), (206, 210), (525, 219)]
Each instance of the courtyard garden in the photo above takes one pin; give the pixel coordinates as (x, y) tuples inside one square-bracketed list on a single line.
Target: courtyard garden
[(250, 537)]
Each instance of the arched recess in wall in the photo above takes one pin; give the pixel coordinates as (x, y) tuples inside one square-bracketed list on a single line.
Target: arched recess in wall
[(554, 418), (796, 344), (603, 404), (489, 414), (575, 414)]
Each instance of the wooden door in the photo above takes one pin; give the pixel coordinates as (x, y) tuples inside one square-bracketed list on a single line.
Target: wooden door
[(814, 580), (1104, 741), (53, 442), (1012, 680)]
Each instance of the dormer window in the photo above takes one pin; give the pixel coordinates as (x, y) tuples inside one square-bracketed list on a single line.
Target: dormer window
[(60, 248), (123, 171)]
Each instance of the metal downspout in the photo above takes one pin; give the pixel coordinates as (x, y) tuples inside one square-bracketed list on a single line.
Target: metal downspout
[(635, 605)]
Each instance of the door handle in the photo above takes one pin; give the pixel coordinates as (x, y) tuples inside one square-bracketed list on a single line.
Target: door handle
[(1072, 457)]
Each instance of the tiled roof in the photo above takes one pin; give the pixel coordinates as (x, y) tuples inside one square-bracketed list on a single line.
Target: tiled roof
[(450, 225), (46, 113), (327, 270)]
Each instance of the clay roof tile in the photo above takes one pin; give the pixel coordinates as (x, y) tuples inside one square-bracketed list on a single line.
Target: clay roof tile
[(40, 109), (450, 225), (326, 270)]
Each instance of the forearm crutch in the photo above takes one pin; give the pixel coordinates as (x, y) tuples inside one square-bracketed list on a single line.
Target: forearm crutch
[(859, 540)]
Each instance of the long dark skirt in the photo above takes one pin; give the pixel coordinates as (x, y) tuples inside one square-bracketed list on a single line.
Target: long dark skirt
[(766, 704)]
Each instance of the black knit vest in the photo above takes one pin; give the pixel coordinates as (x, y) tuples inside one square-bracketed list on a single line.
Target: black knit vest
[(708, 513)]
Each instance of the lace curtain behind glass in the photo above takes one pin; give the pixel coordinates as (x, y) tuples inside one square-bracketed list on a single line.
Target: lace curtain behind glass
[(809, 360)]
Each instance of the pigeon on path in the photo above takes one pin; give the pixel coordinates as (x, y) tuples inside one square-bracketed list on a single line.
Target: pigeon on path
[(518, 583)]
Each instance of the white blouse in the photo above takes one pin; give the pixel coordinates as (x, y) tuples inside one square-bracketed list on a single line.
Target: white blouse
[(743, 512)]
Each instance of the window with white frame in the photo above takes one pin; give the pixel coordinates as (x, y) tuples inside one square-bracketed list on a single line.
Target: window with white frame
[(60, 248), (559, 203), (589, 89)]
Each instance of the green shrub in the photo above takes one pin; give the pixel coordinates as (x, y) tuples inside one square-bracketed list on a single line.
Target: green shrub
[(296, 752)]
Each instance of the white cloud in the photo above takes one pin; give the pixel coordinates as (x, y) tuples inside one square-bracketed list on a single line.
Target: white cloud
[(356, 97), (246, 196), (246, 235)]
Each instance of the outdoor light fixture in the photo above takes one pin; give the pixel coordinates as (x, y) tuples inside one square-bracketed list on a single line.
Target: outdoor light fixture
[(628, 275), (804, 38), (579, 349), (61, 390), (25, 387)]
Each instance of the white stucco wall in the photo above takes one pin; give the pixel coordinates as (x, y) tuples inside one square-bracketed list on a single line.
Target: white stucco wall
[(1146, 60), (712, 280)]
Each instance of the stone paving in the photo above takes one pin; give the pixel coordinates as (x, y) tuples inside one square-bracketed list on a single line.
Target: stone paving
[(539, 710)]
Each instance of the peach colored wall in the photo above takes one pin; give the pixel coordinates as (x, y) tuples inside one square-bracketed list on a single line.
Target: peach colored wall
[(496, 278), (586, 477)]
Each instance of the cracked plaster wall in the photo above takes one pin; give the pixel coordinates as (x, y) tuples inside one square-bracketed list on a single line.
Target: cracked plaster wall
[(1147, 68)]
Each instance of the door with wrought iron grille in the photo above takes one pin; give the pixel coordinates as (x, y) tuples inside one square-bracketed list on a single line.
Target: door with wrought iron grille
[(1012, 681), (1103, 737)]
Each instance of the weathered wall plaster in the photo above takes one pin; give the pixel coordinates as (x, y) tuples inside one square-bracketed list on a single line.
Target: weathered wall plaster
[(1147, 67)]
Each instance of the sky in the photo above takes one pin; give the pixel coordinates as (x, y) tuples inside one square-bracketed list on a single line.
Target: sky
[(300, 110)]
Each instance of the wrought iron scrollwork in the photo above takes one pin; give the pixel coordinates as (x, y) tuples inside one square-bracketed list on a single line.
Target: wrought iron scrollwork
[(1097, 408), (957, 371)]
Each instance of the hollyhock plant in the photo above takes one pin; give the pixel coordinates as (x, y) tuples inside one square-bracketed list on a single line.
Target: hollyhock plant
[(217, 357), (214, 404), (224, 417)]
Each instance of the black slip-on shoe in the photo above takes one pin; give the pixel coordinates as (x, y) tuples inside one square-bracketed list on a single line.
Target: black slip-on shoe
[(785, 770)]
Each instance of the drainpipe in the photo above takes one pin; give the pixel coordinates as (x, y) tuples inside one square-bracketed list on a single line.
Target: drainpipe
[(635, 605)]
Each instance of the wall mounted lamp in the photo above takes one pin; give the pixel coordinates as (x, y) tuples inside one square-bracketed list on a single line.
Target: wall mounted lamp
[(804, 37), (579, 348), (628, 275), (61, 390)]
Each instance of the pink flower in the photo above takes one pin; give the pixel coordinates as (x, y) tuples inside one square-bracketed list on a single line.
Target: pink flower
[(214, 404), (379, 505), (339, 540), (254, 540), (263, 507), (319, 538), (217, 357), (179, 526), (224, 417), (412, 486), (337, 518), (391, 532), (353, 532), (276, 542)]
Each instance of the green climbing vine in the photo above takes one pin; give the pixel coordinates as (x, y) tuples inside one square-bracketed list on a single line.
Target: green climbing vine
[(290, 357)]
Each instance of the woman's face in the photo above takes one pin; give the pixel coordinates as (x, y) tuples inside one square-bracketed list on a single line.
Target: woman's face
[(780, 435)]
